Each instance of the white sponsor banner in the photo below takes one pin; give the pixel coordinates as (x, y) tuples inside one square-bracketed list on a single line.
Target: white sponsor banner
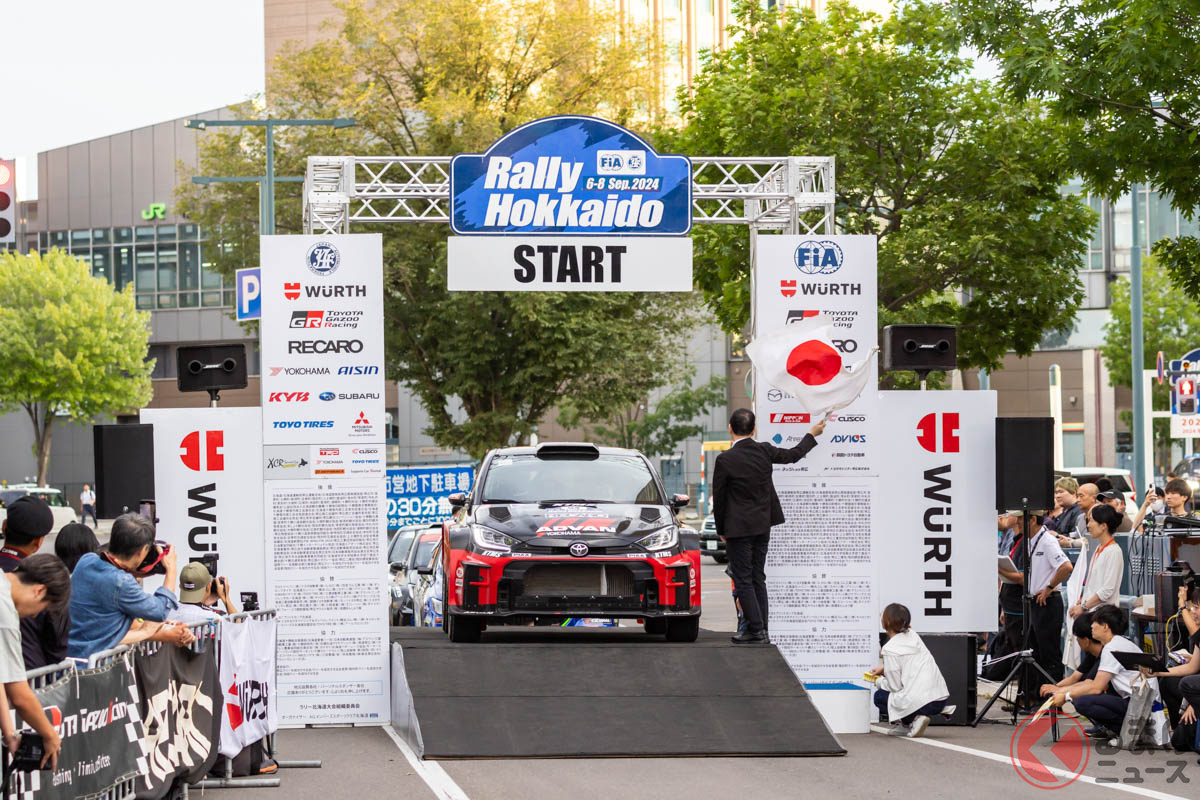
[(208, 488), (322, 339), (797, 278), (935, 518), (569, 263), (325, 548), (1184, 426), (296, 461), (247, 683)]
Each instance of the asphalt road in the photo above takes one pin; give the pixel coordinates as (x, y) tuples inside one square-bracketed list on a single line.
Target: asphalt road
[(947, 763)]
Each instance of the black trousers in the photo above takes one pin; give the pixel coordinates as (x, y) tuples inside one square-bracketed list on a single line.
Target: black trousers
[(1047, 623), (747, 562)]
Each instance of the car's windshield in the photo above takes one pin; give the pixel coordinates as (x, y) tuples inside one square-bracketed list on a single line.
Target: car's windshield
[(422, 551), (607, 479), (53, 497), (400, 544)]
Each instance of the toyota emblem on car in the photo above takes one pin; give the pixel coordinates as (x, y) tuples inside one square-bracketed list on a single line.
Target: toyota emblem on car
[(578, 549)]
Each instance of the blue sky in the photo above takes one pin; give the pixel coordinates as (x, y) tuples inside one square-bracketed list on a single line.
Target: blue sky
[(85, 69)]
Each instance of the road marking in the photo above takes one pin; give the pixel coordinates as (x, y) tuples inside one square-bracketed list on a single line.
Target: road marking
[(1062, 773), (436, 778)]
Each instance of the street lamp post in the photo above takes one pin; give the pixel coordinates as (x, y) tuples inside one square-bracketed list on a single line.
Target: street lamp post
[(1140, 446), (268, 204)]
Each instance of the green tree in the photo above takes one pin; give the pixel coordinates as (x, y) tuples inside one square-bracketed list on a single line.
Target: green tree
[(961, 186), (425, 77), (657, 428), (1171, 322), (74, 348), (1124, 71)]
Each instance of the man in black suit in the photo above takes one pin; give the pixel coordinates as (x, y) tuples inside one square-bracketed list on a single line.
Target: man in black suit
[(745, 507)]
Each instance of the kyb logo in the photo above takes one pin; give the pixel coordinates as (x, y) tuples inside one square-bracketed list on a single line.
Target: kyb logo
[(621, 162), (931, 424), (210, 458), (323, 259), (287, 397), (818, 257), (787, 419), (322, 346)]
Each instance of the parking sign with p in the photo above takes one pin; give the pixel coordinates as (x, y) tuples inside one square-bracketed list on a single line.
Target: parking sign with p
[(249, 285)]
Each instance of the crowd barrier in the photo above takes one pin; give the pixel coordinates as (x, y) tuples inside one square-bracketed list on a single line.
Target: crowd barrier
[(119, 666)]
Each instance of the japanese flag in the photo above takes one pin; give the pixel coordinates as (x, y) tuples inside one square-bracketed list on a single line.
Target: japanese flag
[(802, 359)]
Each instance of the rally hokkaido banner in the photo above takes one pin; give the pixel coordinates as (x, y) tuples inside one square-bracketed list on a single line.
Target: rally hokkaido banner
[(179, 702), (96, 714), (247, 683)]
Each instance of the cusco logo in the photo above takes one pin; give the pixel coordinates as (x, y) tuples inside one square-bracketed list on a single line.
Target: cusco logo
[(818, 258), (326, 395), (323, 258)]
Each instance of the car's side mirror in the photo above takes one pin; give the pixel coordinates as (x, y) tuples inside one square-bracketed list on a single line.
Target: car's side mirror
[(457, 500), (679, 501), (396, 566), (425, 570)]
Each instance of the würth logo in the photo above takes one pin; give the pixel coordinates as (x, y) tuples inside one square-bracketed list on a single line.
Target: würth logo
[(214, 442), (291, 291), (927, 432)]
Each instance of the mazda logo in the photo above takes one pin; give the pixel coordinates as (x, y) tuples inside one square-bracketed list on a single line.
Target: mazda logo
[(578, 549)]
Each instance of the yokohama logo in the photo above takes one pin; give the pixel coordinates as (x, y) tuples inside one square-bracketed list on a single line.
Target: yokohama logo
[(782, 419)]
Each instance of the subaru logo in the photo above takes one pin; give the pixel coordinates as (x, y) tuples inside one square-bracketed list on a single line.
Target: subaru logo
[(818, 258), (578, 549), (326, 395), (323, 258)]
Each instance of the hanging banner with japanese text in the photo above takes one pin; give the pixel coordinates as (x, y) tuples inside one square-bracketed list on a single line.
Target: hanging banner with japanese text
[(420, 495)]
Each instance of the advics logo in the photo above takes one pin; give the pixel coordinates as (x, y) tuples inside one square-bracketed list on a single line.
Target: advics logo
[(818, 258), (323, 259)]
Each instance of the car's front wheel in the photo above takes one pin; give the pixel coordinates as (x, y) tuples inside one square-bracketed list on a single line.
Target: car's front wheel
[(462, 629), (683, 629)]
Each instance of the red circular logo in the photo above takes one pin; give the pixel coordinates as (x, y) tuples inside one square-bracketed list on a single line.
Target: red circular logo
[(814, 363), (1043, 762)]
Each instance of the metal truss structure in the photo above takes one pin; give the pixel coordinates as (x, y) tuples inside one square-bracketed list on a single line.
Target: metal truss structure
[(792, 194)]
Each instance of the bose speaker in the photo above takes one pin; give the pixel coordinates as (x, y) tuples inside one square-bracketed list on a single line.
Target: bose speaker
[(210, 368), (1024, 463), (124, 461), (921, 348)]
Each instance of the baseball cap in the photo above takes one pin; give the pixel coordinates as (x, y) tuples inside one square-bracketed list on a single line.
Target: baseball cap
[(1113, 494), (193, 582), (29, 518)]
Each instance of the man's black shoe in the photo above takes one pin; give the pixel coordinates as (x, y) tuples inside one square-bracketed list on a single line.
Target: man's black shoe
[(749, 638)]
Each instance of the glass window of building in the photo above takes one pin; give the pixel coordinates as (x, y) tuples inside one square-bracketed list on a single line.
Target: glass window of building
[(58, 239), (43, 240), (168, 268), (189, 232), (122, 268), (146, 266), (166, 233), (144, 233), (189, 275), (81, 238), (101, 263), (122, 235), (164, 362), (100, 235)]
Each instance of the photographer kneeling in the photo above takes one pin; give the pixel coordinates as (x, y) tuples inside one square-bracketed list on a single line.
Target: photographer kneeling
[(106, 599)]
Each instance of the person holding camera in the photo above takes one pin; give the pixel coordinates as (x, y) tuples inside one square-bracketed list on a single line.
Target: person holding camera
[(106, 598), (199, 592)]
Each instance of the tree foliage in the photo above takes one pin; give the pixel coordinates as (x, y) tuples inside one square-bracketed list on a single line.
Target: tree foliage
[(1125, 72), (424, 77), (961, 186), (73, 347)]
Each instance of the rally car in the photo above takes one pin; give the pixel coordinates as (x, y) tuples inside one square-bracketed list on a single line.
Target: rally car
[(569, 530)]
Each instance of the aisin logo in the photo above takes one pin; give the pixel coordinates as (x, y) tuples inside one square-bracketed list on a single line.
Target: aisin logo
[(323, 259), (818, 258)]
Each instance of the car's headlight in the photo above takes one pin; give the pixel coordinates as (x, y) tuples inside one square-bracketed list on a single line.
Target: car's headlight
[(490, 539), (661, 540)]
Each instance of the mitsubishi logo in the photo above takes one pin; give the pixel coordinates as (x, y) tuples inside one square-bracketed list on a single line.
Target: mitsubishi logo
[(578, 549)]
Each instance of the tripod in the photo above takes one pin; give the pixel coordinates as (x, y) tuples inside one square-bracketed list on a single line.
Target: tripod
[(1024, 657)]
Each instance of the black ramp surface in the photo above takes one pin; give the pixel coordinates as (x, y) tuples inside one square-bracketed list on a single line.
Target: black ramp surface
[(547, 692)]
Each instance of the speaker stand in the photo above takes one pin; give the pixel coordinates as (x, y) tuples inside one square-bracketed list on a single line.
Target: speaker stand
[(213, 396)]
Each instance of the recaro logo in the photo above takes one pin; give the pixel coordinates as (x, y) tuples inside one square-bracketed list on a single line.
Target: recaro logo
[(927, 430), (213, 459)]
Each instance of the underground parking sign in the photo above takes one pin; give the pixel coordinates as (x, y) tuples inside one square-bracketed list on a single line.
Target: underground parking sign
[(1043, 762)]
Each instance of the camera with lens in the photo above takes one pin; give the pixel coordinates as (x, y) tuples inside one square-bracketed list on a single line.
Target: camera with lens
[(152, 564), (209, 560)]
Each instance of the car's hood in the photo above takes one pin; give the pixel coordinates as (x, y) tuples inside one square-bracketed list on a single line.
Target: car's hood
[(600, 525)]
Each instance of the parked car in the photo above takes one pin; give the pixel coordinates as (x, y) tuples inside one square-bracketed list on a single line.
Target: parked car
[(1189, 470), (569, 530), (63, 513), (1122, 480), (418, 570), (427, 592), (710, 545), (398, 548)]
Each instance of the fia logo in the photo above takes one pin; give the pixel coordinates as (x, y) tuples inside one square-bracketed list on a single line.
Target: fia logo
[(621, 162), (927, 432), (818, 258), (214, 442), (323, 259)]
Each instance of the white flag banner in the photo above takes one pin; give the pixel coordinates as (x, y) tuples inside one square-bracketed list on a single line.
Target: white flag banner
[(247, 683), (802, 359)]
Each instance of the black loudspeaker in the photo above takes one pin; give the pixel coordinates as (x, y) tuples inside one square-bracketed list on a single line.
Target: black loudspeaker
[(210, 368), (124, 460), (922, 348), (1024, 463), (954, 654)]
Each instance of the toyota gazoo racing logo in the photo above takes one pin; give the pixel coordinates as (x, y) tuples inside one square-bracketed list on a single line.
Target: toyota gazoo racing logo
[(321, 346), (620, 162), (323, 259), (800, 314), (818, 257), (307, 319), (325, 319)]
